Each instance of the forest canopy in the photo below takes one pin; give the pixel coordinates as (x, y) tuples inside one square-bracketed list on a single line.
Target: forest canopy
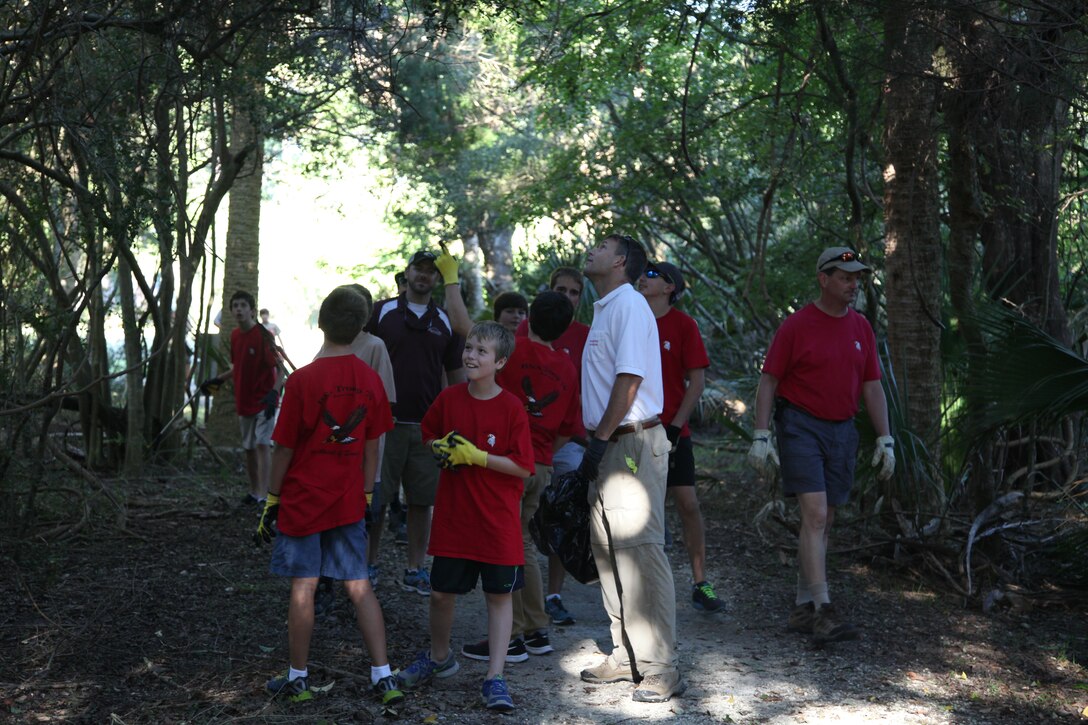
[(944, 141)]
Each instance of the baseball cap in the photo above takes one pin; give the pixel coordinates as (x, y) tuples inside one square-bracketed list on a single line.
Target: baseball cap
[(671, 275), (422, 256), (844, 258)]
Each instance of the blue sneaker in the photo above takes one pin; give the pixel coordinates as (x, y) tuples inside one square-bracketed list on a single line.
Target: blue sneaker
[(373, 571), (418, 581), (496, 696), (424, 669), (296, 690)]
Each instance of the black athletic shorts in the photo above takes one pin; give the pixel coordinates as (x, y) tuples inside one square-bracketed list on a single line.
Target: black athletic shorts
[(682, 464), (459, 576)]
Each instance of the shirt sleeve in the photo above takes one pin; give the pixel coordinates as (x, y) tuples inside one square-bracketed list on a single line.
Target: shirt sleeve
[(432, 419), (694, 353), (631, 332)]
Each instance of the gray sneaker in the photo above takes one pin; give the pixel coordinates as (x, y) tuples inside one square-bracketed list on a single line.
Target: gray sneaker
[(424, 669), (559, 614)]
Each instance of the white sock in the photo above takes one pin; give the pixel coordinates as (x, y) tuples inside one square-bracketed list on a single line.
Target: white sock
[(804, 596), (293, 674), (377, 673), (819, 594), (551, 597)]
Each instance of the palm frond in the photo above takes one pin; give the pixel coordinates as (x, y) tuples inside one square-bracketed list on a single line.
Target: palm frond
[(1026, 374)]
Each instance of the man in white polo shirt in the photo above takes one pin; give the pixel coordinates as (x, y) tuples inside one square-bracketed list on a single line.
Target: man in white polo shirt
[(627, 463)]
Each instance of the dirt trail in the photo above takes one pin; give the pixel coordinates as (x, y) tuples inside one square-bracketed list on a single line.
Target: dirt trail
[(175, 619)]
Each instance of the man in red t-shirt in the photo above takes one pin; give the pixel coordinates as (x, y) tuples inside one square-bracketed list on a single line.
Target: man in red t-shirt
[(568, 282), (683, 375), (323, 469), (821, 362), (254, 371)]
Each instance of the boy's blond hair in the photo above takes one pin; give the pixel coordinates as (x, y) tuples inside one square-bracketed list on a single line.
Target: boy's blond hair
[(493, 332)]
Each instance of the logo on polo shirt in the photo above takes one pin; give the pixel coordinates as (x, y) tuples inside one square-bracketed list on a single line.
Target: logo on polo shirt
[(857, 345), (668, 345), (491, 439)]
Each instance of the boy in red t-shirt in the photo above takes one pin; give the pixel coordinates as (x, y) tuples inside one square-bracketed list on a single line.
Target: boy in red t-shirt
[(480, 434), (545, 382), (254, 372), (323, 468)]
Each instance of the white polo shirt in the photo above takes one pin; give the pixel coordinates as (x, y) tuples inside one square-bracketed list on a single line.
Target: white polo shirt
[(622, 339)]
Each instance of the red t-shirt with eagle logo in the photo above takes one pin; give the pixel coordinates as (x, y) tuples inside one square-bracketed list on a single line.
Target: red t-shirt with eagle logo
[(547, 385), (477, 511), (331, 407)]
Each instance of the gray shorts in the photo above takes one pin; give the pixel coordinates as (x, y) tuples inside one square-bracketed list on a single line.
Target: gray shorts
[(817, 455), (407, 461), (256, 430)]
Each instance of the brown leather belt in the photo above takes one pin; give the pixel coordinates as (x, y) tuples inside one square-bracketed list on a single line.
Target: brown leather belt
[(631, 428)]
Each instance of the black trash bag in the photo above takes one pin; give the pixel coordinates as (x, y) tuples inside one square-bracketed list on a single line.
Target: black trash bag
[(561, 525)]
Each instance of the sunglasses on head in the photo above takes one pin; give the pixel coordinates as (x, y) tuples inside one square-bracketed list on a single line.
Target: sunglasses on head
[(844, 257)]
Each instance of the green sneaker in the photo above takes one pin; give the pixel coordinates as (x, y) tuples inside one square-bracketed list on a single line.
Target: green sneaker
[(296, 690), (389, 691)]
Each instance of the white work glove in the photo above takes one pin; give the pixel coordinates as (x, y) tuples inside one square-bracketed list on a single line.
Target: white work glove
[(884, 457), (762, 456)]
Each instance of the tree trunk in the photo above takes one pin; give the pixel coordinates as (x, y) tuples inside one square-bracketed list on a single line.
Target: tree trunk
[(242, 254), (911, 224), (134, 394), (472, 277)]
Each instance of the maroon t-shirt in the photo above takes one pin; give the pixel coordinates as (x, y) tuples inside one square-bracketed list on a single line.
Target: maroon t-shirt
[(254, 359), (331, 407), (477, 511), (546, 384), (420, 347)]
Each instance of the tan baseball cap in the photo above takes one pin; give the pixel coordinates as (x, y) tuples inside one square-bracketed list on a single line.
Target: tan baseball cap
[(844, 258)]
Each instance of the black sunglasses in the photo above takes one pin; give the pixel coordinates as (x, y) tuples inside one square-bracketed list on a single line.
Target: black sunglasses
[(844, 257), (654, 274)]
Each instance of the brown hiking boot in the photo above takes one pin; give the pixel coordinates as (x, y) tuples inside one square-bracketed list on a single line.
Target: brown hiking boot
[(607, 672), (659, 688), (826, 627), (801, 618)]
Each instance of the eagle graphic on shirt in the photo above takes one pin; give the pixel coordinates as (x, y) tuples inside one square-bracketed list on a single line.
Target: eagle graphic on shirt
[(533, 406), (341, 432)]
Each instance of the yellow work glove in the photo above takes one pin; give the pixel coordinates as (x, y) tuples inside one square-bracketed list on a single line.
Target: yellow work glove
[(266, 529), (463, 453), (762, 456), (884, 457), (447, 266), (440, 447)]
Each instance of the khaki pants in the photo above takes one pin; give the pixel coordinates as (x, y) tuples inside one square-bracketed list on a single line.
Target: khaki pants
[(632, 486), (529, 614)]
